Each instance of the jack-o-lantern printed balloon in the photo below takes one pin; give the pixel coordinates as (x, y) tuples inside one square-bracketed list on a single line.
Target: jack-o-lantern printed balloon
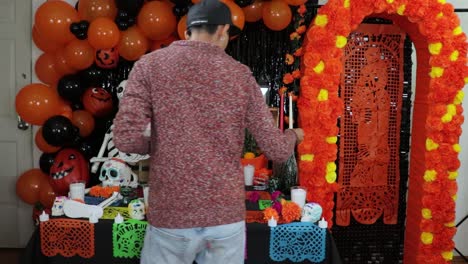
[(97, 101), (69, 166), (107, 58)]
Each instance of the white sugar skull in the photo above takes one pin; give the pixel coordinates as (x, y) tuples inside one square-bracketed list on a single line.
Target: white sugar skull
[(311, 212), (136, 209), (57, 208), (121, 89), (115, 172)]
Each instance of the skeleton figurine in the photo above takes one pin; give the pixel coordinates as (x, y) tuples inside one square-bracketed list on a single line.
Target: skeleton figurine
[(108, 142), (115, 172), (311, 212), (57, 208), (136, 209)]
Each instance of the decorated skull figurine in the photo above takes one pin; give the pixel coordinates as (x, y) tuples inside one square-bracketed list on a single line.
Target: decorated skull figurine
[(136, 209), (121, 89), (115, 172), (57, 208), (311, 212)]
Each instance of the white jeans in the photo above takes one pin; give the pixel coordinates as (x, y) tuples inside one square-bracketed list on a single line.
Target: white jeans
[(206, 245)]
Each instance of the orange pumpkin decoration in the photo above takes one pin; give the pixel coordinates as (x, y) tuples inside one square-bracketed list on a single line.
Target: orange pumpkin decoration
[(107, 58), (97, 101)]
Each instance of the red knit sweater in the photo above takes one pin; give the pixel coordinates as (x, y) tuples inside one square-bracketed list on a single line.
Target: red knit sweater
[(199, 100)]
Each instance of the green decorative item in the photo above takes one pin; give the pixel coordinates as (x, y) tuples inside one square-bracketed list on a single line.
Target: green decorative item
[(111, 212), (263, 204), (127, 238)]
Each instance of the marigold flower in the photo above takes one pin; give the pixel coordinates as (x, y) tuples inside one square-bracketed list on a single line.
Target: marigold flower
[(296, 74), (288, 78), (294, 36), (269, 213), (298, 52), (302, 10), (301, 29), (291, 211), (282, 90), (289, 59)]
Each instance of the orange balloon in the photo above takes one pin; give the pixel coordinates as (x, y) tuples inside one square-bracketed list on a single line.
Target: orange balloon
[(29, 184), (79, 54), (45, 69), (156, 20), (196, 1), (276, 15), (103, 33), (62, 65), (44, 44), (84, 120), (237, 15), (36, 103), (158, 44), (182, 27), (92, 9), (295, 2), (53, 19), (47, 195), (42, 144), (132, 44), (253, 12)]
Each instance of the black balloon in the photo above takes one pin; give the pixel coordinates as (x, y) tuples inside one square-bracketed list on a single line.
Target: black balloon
[(132, 7), (46, 161), (180, 10), (70, 87), (88, 148), (243, 3), (93, 76), (59, 131)]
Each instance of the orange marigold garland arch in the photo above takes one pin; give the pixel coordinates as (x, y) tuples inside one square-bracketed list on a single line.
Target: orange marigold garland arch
[(442, 72)]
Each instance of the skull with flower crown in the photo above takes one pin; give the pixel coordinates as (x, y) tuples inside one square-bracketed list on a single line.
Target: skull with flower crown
[(136, 209), (115, 172)]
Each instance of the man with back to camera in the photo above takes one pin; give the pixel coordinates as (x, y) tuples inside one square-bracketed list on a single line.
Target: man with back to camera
[(198, 101)]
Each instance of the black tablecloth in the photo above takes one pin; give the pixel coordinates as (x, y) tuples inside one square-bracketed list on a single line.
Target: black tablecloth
[(258, 236)]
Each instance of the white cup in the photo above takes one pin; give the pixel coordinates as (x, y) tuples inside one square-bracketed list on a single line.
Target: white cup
[(77, 191), (249, 175), (298, 195)]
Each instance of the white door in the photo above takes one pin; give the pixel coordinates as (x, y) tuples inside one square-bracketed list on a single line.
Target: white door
[(15, 145)]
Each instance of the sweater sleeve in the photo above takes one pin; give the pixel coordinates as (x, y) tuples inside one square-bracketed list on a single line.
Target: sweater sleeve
[(134, 115), (276, 145)]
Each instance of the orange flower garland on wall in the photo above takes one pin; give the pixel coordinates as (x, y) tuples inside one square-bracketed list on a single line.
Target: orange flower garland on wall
[(320, 107)]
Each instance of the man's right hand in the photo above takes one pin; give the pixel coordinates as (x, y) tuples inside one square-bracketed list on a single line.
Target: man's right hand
[(299, 135)]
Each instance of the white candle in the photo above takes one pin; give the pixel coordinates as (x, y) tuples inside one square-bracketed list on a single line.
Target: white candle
[(77, 191), (298, 195), (291, 116), (249, 174)]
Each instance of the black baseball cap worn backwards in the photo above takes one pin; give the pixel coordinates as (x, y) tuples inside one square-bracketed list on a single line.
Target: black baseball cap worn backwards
[(211, 12)]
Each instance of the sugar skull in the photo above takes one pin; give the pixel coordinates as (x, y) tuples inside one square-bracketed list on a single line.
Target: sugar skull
[(136, 209), (107, 58), (115, 172), (121, 89), (57, 208), (311, 212), (97, 101), (69, 166)]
